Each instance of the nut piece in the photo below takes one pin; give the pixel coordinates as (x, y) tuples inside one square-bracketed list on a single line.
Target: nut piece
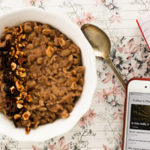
[(21, 72), (19, 53), (21, 60), (29, 98), (18, 98), (22, 36), (19, 86), (17, 116), (13, 66), (19, 102), (23, 95), (12, 52), (27, 129), (26, 115), (12, 89), (19, 106), (49, 51)]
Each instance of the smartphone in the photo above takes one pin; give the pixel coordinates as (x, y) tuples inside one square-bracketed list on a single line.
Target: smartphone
[(136, 130)]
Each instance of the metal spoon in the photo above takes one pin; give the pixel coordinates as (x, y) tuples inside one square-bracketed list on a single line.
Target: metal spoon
[(101, 45)]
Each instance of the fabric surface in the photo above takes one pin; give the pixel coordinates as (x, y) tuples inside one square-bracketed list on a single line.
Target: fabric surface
[(101, 127), (144, 23)]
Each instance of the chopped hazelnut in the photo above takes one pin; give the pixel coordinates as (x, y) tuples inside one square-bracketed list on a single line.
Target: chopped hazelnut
[(18, 98), (23, 44), (17, 46), (29, 98), (19, 102), (13, 66), (26, 105), (21, 72), (19, 106), (23, 95), (26, 115), (24, 36), (22, 75), (19, 53), (12, 52), (27, 129), (17, 116), (21, 60), (19, 86), (12, 89), (15, 79), (20, 45)]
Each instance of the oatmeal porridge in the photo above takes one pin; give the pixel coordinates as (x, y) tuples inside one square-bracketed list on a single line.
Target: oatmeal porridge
[(41, 74)]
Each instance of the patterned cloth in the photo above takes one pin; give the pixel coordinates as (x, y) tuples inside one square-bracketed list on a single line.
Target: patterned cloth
[(144, 23), (101, 126)]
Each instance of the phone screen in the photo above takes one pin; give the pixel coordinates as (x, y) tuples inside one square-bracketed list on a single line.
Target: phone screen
[(138, 122)]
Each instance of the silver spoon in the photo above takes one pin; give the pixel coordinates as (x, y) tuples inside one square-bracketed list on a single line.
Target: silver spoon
[(101, 45)]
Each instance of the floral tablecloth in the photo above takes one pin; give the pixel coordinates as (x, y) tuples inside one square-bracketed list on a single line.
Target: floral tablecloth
[(101, 126)]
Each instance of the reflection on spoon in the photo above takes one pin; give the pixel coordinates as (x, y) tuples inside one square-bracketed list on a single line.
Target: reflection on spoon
[(101, 45)]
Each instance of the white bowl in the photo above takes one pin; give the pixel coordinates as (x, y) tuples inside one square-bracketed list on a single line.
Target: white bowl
[(62, 23)]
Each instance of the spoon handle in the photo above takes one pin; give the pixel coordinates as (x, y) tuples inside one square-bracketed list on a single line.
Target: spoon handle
[(116, 72)]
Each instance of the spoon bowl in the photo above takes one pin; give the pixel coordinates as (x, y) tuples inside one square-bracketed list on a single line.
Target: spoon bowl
[(101, 45), (98, 39)]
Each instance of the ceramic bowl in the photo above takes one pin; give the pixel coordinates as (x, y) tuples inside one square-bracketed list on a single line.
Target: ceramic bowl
[(61, 22)]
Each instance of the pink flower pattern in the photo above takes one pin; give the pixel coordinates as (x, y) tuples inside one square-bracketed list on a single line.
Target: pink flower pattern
[(100, 2), (108, 77), (106, 147), (89, 18), (88, 118), (60, 145), (130, 56), (35, 148), (103, 95), (118, 115), (80, 21), (115, 18)]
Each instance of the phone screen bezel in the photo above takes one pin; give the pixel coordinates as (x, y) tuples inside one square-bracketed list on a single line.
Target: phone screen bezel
[(134, 85)]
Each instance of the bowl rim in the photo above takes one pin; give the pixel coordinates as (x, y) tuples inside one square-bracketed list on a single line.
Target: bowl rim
[(92, 57)]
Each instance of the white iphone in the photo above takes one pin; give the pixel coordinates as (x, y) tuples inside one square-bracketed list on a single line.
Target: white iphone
[(136, 132)]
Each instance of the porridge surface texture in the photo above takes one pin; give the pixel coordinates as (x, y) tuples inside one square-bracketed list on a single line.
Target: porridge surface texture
[(43, 75)]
